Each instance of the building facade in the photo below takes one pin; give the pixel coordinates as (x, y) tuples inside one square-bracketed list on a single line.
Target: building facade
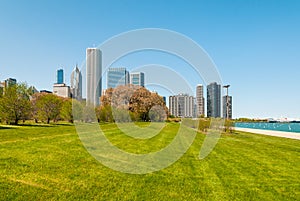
[(182, 105), (10, 82), (227, 103), (214, 100), (76, 84), (200, 101), (60, 76), (116, 77), (62, 90), (137, 78), (93, 76), (2, 86)]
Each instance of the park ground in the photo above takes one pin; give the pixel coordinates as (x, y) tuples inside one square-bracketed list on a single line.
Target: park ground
[(49, 162)]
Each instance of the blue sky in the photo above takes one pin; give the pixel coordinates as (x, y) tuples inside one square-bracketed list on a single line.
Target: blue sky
[(254, 44)]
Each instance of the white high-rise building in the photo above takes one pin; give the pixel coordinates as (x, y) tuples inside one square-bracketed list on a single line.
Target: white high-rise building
[(200, 100), (182, 105), (137, 78), (93, 76), (76, 84), (62, 90)]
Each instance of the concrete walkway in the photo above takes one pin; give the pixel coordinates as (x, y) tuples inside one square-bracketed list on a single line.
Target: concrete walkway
[(290, 135)]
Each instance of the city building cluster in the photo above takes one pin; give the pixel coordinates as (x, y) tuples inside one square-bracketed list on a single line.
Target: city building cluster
[(181, 105)]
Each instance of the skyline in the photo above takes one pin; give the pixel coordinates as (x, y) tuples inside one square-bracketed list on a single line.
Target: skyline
[(255, 45)]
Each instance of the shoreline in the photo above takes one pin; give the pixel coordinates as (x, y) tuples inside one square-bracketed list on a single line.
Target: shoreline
[(290, 135)]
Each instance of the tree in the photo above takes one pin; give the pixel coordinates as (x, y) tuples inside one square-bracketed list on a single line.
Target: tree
[(66, 110), (104, 113), (89, 114), (143, 101), (48, 107), (77, 110), (15, 103), (135, 103)]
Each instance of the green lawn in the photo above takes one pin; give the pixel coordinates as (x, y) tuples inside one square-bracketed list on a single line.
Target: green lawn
[(42, 162)]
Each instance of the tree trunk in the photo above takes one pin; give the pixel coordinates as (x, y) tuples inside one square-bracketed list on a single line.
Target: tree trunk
[(48, 121), (16, 121)]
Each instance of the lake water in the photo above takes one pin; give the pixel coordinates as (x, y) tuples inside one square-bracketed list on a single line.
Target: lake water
[(288, 127)]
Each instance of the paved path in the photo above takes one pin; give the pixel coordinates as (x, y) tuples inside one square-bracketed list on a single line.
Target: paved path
[(271, 133)]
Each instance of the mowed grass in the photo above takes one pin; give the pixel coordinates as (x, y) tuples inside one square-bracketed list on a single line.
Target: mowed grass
[(42, 162)]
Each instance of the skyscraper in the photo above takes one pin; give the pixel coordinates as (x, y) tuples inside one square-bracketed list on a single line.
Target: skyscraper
[(214, 100), (10, 82), (137, 78), (182, 105), (200, 100), (93, 76), (62, 90), (229, 107), (60, 76), (116, 77), (76, 84), (2, 86)]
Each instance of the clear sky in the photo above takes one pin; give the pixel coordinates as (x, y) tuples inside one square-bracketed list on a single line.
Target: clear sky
[(255, 44)]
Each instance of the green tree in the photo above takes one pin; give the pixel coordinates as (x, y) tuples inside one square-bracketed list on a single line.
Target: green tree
[(104, 113), (66, 110), (48, 107), (89, 113), (15, 104), (77, 110)]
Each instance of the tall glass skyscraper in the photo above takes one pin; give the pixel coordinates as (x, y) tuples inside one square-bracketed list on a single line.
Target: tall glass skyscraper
[(214, 100), (137, 78), (76, 84), (93, 76), (60, 76), (116, 77)]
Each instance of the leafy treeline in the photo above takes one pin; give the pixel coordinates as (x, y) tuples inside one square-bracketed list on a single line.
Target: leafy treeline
[(18, 103), (131, 103), (122, 104), (204, 124)]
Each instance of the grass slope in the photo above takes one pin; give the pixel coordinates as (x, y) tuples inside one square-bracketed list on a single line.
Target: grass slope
[(50, 163)]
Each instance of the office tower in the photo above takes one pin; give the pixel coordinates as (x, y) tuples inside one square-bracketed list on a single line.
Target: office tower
[(2, 86), (200, 100), (62, 90), (214, 100), (137, 78), (181, 105), (76, 84), (229, 104), (165, 100), (32, 90), (116, 77), (60, 76), (10, 82), (93, 76)]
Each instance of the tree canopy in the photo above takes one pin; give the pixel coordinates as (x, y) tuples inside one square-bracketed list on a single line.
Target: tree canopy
[(125, 103), (48, 107), (15, 104)]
